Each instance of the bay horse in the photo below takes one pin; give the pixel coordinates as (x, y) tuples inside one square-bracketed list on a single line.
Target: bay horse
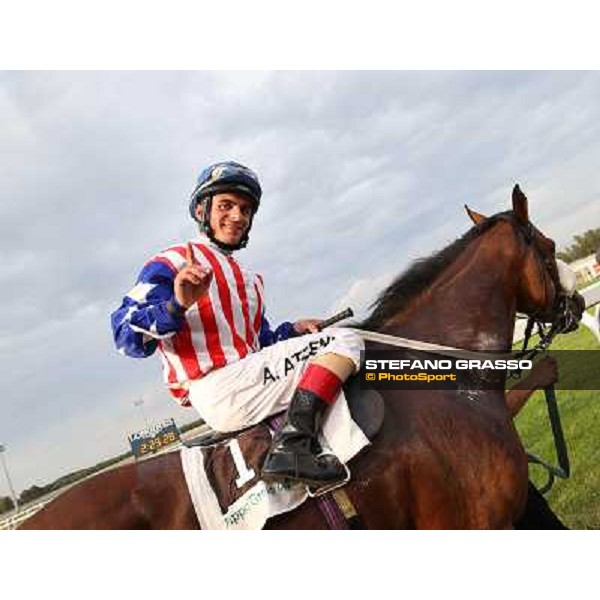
[(443, 459)]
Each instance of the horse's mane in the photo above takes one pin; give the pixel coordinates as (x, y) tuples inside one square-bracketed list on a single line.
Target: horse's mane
[(419, 276)]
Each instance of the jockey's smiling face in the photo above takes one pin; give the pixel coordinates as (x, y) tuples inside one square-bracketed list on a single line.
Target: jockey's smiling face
[(230, 216)]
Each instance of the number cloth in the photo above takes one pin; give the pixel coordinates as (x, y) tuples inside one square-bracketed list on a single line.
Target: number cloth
[(226, 490), (225, 487)]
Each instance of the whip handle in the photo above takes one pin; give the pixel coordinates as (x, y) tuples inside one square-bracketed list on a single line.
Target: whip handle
[(345, 314)]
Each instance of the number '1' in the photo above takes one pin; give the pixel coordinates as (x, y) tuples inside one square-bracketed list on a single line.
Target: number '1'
[(245, 474)]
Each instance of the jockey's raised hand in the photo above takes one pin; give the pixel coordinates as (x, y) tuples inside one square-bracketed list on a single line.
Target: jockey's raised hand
[(192, 282), (307, 326)]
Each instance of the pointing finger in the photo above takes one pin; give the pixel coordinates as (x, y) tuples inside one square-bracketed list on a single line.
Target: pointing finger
[(189, 254)]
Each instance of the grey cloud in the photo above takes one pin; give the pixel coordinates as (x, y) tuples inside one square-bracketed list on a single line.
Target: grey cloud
[(362, 171)]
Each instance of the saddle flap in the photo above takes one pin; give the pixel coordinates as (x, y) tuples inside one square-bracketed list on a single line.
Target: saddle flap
[(366, 407)]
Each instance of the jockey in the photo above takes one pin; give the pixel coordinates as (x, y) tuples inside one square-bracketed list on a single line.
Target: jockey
[(205, 315)]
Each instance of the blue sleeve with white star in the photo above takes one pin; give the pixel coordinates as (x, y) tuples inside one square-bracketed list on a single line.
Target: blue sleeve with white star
[(268, 337), (143, 318)]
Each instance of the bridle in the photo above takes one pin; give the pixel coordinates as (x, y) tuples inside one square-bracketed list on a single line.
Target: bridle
[(563, 318)]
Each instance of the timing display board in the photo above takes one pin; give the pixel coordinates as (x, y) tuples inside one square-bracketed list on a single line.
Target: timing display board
[(156, 438)]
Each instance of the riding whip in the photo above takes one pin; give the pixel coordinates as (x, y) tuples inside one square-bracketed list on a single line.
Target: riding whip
[(344, 314)]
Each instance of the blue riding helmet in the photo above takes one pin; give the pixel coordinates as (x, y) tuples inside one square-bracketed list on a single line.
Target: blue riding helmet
[(222, 177)]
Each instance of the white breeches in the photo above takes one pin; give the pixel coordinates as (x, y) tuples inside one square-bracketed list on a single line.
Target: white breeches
[(262, 384)]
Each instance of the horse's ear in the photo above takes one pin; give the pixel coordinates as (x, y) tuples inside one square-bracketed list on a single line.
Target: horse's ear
[(519, 202), (475, 216)]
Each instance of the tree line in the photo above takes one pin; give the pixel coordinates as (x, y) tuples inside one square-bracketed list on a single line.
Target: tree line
[(6, 504), (582, 245), (36, 491)]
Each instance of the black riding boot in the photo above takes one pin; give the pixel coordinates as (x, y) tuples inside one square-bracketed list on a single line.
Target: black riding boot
[(294, 453)]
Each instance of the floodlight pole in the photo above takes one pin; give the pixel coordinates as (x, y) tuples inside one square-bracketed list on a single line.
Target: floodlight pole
[(140, 403), (7, 475)]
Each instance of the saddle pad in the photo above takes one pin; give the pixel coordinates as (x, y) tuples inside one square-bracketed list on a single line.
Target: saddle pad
[(224, 484)]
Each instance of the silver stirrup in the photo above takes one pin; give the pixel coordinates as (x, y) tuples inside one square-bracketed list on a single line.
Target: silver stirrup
[(324, 489)]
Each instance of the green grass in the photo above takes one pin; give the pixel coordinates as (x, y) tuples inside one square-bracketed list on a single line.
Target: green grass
[(576, 500), (584, 284)]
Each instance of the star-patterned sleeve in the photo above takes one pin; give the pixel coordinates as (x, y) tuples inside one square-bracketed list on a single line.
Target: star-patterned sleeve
[(268, 336), (143, 318)]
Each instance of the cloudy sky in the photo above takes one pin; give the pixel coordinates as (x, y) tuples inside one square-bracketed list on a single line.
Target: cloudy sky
[(362, 172)]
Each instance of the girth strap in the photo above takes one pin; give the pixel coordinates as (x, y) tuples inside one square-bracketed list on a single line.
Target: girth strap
[(338, 510)]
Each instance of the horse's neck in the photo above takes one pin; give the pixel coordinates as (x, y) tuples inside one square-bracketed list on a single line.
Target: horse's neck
[(470, 305)]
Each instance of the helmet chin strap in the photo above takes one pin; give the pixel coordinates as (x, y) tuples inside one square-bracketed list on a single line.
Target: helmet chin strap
[(205, 228)]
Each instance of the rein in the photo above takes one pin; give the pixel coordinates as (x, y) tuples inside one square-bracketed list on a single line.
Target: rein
[(563, 470), (400, 342), (560, 324)]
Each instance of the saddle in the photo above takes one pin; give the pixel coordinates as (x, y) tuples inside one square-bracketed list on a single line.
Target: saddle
[(222, 470)]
